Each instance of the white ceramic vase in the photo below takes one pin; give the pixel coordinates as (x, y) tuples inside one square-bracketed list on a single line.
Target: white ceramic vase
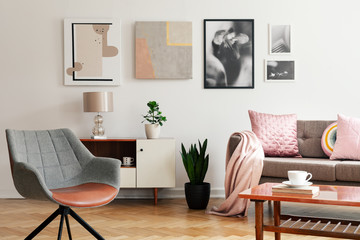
[(152, 130)]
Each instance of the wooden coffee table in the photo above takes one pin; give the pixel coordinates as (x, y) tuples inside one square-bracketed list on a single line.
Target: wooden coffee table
[(330, 195)]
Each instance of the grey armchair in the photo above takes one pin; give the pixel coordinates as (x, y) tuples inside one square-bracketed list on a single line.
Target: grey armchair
[(54, 165)]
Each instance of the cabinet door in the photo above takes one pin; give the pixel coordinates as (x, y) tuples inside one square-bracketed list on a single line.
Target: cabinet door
[(127, 177), (155, 163)]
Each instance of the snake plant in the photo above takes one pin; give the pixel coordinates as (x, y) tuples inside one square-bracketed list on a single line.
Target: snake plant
[(195, 162)]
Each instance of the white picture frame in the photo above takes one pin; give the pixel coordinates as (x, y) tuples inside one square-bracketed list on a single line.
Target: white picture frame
[(280, 39), (92, 52), (279, 70)]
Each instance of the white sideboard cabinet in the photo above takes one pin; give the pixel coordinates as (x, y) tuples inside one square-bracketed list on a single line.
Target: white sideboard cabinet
[(154, 160)]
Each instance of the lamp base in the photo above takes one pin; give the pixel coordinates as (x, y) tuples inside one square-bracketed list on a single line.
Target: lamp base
[(98, 137), (98, 132)]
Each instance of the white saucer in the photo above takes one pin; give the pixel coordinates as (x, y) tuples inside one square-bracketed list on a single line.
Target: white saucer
[(128, 165), (288, 183)]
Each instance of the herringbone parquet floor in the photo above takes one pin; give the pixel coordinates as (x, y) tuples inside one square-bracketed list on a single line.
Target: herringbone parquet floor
[(140, 219)]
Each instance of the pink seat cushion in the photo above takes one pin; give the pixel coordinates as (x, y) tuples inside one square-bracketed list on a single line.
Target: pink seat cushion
[(277, 133), (347, 145), (85, 195)]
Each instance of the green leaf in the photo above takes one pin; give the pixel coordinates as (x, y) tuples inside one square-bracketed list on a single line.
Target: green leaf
[(205, 168), (191, 170)]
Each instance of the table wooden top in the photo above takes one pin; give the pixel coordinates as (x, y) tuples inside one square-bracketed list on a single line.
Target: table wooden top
[(331, 195)]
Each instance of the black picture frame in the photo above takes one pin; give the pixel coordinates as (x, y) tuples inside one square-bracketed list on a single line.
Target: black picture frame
[(228, 53)]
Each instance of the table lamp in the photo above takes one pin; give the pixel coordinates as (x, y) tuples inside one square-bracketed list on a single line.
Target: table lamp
[(98, 102)]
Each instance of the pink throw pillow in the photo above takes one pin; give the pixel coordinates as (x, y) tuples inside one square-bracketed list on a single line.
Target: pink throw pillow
[(347, 145), (277, 133)]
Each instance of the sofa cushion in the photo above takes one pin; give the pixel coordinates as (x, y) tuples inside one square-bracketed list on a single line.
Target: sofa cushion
[(348, 171), (347, 145), (277, 133), (321, 169), (309, 135)]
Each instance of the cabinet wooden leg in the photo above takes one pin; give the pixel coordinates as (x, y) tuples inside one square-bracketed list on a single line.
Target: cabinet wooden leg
[(259, 220), (155, 196)]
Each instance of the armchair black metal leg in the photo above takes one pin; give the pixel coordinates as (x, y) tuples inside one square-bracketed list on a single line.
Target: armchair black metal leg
[(43, 225), (68, 226), (85, 225), (64, 211), (61, 225)]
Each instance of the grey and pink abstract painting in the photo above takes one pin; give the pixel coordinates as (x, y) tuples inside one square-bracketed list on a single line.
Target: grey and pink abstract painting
[(163, 50), (92, 54)]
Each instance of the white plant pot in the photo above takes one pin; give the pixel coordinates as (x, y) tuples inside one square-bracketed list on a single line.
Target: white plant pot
[(152, 130)]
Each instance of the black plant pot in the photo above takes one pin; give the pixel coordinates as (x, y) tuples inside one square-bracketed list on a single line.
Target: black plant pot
[(197, 196)]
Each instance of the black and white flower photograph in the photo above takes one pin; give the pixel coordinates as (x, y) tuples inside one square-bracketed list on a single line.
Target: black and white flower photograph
[(229, 53), (279, 71)]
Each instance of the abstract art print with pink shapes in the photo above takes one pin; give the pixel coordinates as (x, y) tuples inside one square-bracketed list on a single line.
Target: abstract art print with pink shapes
[(163, 50), (92, 52)]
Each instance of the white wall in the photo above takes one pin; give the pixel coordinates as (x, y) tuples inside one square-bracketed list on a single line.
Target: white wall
[(325, 38)]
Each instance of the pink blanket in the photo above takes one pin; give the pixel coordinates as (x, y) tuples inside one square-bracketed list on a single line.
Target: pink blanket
[(243, 171)]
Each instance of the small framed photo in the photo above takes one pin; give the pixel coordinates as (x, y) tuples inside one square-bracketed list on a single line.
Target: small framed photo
[(229, 53), (279, 39), (279, 71)]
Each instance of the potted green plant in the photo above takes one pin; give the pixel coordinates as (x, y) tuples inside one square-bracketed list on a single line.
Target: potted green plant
[(155, 119), (196, 164)]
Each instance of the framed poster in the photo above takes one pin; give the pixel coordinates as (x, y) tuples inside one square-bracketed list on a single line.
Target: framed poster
[(228, 53), (163, 50), (92, 52), (279, 39), (279, 71)]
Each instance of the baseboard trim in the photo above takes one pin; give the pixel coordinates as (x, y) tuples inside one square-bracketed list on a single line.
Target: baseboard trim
[(165, 193)]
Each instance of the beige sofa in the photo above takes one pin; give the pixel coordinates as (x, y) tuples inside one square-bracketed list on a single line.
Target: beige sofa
[(314, 160)]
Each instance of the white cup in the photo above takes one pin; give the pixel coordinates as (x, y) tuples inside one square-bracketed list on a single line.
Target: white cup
[(128, 161), (299, 177)]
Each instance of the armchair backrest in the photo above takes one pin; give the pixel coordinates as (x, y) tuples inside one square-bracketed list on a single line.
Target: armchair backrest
[(57, 154)]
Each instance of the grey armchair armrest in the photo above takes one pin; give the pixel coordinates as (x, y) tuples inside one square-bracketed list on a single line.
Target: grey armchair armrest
[(103, 170), (29, 182)]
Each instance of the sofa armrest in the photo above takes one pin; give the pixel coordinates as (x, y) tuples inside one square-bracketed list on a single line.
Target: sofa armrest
[(233, 142)]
